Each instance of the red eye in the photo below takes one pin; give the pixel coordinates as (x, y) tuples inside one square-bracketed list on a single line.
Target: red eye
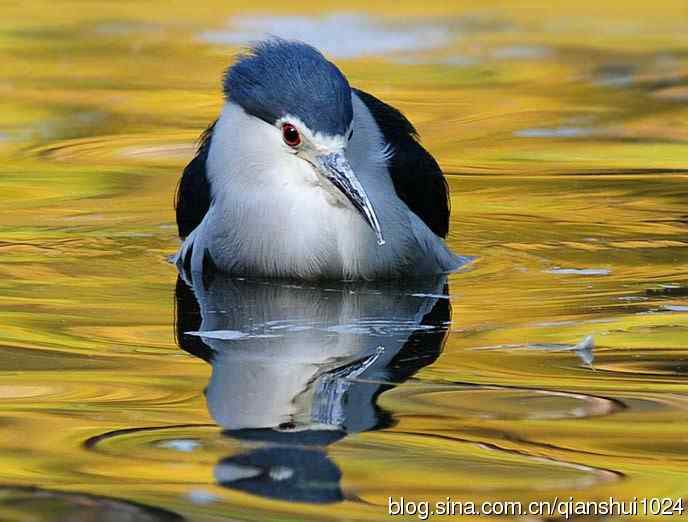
[(290, 135)]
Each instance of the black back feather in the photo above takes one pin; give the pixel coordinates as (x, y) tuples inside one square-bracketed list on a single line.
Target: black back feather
[(417, 178), (192, 200)]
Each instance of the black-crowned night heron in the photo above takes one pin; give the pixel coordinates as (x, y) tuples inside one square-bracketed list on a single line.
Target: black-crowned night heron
[(304, 177)]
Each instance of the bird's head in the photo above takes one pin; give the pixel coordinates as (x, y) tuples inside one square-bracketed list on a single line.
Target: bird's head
[(305, 98)]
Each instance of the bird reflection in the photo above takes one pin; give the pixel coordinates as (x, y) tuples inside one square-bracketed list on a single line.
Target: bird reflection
[(296, 368)]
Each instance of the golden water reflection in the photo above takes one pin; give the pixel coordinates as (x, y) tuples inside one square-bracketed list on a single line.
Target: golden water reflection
[(562, 129)]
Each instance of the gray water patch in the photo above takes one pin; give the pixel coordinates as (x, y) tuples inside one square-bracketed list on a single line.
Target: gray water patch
[(587, 343), (342, 35), (451, 61), (522, 52), (183, 445), (555, 132), (675, 308), (578, 271), (126, 28), (614, 75), (583, 349), (202, 496)]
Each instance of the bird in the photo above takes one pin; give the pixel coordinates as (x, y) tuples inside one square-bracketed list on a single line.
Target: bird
[(304, 177)]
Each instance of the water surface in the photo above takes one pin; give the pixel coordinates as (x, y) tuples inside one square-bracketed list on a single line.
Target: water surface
[(554, 365)]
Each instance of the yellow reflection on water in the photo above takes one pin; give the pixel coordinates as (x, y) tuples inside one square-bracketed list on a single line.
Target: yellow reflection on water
[(563, 131)]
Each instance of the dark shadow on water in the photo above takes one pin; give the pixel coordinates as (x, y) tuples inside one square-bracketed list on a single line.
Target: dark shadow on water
[(297, 367), (45, 505)]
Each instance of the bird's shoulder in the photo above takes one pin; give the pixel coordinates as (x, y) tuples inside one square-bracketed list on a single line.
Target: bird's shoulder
[(192, 200), (417, 178)]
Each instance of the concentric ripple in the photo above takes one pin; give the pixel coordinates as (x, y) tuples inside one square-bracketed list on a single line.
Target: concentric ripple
[(499, 403)]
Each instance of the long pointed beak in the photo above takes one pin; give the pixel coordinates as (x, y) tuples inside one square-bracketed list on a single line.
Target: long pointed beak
[(337, 170)]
